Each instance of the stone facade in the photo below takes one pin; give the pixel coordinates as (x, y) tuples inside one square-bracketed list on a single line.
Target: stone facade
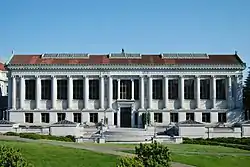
[(162, 109)]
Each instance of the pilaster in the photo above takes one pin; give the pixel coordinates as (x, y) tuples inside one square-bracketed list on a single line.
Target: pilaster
[(132, 89), (86, 92), (150, 92), (118, 87), (165, 92), (70, 91), (22, 92), (38, 91), (54, 92), (142, 93), (197, 92), (110, 90), (101, 98), (213, 79), (229, 92), (13, 92)]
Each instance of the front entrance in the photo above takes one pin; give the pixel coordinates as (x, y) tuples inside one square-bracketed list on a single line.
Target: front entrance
[(125, 117)]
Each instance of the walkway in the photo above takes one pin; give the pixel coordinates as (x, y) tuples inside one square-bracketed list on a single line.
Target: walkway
[(91, 147)]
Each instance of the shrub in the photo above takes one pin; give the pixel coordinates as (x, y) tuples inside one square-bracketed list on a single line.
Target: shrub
[(10, 157), (11, 134), (129, 162)]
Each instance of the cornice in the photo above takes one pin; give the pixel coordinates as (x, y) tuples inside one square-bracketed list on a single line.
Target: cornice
[(122, 66)]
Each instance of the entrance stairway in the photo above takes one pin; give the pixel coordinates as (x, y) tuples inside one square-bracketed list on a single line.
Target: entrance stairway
[(128, 135)]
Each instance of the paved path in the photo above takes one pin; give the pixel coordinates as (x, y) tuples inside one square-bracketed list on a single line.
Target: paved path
[(95, 148)]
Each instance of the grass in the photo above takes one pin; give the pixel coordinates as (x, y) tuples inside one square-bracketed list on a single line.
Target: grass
[(42, 155), (179, 154)]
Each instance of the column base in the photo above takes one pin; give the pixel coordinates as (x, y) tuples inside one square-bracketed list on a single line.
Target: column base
[(141, 109), (109, 109), (165, 109), (101, 109)]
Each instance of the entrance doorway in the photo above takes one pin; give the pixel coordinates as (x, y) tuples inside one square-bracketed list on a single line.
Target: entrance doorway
[(125, 117)]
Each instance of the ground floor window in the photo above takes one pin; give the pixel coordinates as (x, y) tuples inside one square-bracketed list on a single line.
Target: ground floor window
[(77, 117), (29, 117), (158, 117), (136, 118), (93, 117), (115, 118), (222, 117), (206, 117), (174, 117), (247, 115), (61, 116), (45, 117), (190, 116)]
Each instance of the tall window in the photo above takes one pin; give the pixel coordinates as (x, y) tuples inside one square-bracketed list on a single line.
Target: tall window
[(221, 89), (206, 117), (29, 117), (115, 89), (136, 89), (94, 89), (189, 89), (45, 117), (62, 91), (93, 117), (78, 89), (46, 89), (222, 117), (247, 115), (30, 89), (61, 116), (173, 89), (174, 117), (125, 89), (158, 117), (18, 88), (205, 89), (190, 116), (77, 117), (157, 89)]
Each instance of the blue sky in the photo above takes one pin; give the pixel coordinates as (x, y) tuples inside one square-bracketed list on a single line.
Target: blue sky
[(145, 26)]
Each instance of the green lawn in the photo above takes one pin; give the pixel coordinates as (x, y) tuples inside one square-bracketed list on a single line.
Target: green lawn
[(42, 155)]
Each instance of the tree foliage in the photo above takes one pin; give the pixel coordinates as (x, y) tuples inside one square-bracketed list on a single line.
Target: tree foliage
[(10, 157), (246, 92), (148, 155)]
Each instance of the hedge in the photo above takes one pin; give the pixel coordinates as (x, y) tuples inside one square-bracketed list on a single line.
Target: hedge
[(225, 142), (36, 136)]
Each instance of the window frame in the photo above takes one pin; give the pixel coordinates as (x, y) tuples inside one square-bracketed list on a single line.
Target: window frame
[(46, 89), (29, 117), (206, 117), (94, 89), (77, 117), (221, 89), (78, 88), (62, 117), (222, 117), (45, 117), (30, 89), (205, 89), (173, 89), (190, 116), (158, 117), (62, 89), (93, 117), (174, 116), (189, 89), (157, 93)]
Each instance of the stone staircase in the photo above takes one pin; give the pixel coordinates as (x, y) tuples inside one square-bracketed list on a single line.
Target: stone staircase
[(128, 135)]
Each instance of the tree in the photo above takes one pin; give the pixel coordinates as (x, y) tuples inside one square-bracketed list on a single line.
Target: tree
[(246, 94), (10, 157)]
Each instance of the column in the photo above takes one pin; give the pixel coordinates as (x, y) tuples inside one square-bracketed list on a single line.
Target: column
[(70, 91), (118, 87), (13, 92), (142, 92), (165, 92), (197, 92), (101, 98), (22, 92), (38, 92), (181, 92), (110, 94), (229, 92), (213, 91), (119, 117), (150, 92), (86, 92), (132, 90), (54, 92)]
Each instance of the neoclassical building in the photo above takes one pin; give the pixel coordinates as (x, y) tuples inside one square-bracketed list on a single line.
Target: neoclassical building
[(81, 88)]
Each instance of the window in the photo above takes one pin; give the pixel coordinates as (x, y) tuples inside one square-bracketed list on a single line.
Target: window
[(94, 89), (157, 89), (46, 89), (45, 117), (136, 118), (189, 89), (115, 89), (93, 117), (78, 117), (78, 89), (125, 89), (30, 89), (18, 88), (221, 89), (247, 115), (174, 117), (222, 117), (173, 89), (205, 89), (61, 116), (190, 116), (136, 89), (29, 117), (206, 117), (62, 91), (158, 117)]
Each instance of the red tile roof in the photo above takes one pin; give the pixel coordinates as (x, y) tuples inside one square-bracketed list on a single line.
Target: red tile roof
[(104, 59), (2, 68)]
